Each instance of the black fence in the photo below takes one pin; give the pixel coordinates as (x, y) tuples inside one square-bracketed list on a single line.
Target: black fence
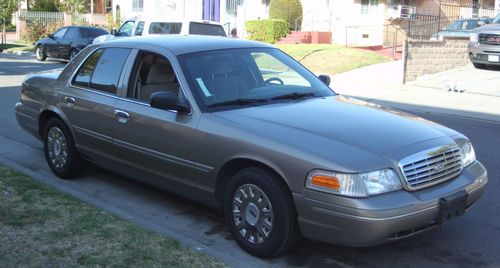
[(447, 19)]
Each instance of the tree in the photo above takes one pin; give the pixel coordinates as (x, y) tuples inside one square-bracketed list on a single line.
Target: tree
[(7, 7), (73, 6), (287, 10), (44, 5)]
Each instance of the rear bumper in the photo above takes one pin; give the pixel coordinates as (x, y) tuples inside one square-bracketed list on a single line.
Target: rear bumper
[(384, 218), (27, 118)]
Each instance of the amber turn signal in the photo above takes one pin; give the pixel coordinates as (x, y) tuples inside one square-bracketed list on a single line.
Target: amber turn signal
[(326, 181)]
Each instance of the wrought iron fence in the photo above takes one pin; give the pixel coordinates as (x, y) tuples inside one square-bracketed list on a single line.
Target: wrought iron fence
[(429, 23), (40, 17)]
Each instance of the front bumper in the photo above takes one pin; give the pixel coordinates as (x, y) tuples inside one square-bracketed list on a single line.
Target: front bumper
[(382, 218), (478, 53)]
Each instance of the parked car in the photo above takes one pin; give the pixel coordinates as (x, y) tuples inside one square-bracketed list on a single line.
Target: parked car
[(145, 27), (484, 45), (242, 126), (462, 27), (66, 42)]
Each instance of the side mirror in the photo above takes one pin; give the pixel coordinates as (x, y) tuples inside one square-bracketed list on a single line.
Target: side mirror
[(167, 100), (51, 36), (114, 32), (325, 78)]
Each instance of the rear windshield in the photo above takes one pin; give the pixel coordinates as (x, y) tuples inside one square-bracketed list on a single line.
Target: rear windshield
[(206, 29), (92, 32), (165, 28)]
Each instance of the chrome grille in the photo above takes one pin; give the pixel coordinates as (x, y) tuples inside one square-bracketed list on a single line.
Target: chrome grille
[(489, 39), (431, 166)]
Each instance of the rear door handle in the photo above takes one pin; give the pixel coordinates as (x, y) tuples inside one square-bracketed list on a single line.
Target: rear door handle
[(70, 100)]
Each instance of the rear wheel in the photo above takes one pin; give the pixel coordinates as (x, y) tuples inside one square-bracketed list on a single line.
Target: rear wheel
[(40, 53), (260, 212), (60, 151)]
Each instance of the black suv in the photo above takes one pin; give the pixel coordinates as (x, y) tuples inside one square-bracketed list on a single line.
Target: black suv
[(66, 42)]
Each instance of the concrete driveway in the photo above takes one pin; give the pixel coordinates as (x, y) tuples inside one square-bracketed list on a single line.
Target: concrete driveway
[(468, 241), (467, 79)]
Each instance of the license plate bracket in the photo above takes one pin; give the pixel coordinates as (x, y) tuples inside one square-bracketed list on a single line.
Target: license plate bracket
[(452, 206)]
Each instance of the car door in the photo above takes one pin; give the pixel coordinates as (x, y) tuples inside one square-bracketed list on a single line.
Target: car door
[(66, 42), (88, 100), (156, 141), (52, 47)]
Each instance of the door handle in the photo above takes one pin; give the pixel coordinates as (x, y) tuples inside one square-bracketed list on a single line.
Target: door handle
[(122, 114), (70, 100)]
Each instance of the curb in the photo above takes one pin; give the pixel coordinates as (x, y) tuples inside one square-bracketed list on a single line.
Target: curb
[(19, 53)]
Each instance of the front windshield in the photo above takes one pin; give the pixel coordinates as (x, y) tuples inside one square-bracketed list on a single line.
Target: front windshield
[(496, 19), (241, 77)]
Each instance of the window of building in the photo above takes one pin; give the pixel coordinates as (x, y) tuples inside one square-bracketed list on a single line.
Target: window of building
[(369, 6), (137, 5)]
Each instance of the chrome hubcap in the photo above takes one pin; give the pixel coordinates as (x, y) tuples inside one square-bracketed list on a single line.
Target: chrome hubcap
[(57, 147), (39, 52), (252, 213)]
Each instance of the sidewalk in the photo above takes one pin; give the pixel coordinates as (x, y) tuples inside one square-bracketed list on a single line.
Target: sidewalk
[(381, 83)]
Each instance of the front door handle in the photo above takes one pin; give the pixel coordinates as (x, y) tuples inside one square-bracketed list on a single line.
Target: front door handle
[(70, 100), (122, 116)]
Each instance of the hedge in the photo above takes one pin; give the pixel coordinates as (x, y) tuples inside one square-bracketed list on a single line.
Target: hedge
[(267, 30)]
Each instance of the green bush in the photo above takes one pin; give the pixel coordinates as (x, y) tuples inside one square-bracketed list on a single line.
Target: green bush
[(267, 30), (287, 10)]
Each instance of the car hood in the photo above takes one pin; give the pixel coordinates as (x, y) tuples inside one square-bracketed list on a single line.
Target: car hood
[(488, 27), (337, 121), (42, 41)]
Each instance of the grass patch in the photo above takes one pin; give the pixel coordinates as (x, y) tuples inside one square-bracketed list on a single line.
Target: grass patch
[(41, 227), (331, 59), (16, 47)]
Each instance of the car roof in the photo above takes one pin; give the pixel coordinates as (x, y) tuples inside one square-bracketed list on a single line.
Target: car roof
[(184, 44)]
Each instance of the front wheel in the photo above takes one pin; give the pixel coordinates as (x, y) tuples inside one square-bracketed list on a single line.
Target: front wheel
[(40, 53), (60, 150), (260, 212)]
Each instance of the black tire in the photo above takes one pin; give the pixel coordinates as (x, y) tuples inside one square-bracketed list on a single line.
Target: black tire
[(65, 162), (72, 54), (284, 235), (40, 53), (479, 65)]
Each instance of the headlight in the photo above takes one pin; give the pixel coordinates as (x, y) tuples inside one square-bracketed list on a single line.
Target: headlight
[(354, 185), (468, 154), (473, 37)]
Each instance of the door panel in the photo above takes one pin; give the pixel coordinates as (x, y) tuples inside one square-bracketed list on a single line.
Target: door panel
[(159, 142)]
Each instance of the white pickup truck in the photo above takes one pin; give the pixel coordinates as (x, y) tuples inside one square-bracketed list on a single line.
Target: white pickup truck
[(143, 27)]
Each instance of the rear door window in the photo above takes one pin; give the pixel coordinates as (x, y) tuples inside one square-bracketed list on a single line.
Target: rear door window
[(102, 70), (206, 29)]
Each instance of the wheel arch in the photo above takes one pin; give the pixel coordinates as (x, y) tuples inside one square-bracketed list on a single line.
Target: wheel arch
[(48, 113), (229, 168)]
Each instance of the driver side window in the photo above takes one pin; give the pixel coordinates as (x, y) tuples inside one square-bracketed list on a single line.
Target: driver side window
[(126, 29), (271, 67), (60, 33)]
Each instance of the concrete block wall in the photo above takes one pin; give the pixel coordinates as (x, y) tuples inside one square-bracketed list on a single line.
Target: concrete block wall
[(430, 57)]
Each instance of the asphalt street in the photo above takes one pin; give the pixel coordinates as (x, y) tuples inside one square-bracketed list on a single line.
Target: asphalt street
[(468, 241)]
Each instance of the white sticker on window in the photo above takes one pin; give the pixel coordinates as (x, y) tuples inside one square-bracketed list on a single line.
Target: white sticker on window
[(203, 87)]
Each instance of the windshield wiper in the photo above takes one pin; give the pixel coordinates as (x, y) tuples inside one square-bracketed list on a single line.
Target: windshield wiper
[(237, 102), (293, 96)]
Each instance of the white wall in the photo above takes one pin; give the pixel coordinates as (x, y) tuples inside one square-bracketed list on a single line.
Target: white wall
[(317, 15), (169, 9), (347, 14)]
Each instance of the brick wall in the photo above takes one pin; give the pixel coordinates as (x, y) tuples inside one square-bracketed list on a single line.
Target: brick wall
[(430, 57)]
